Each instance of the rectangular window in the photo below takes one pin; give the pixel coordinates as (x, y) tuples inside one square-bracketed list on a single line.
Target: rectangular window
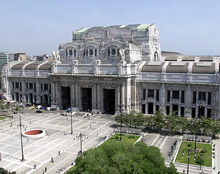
[(70, 52), (13, 97), (151, 93), (20, 97), (157, 95), (26, 86), (118, 52), (168, 95), (13, 85), (91, 52), (182, 97), (35, 87), (109, 52), (194, 97), (209, 98), (113, 52), (74, 53), (167, 110), (45, 87), (144, 94), (157, 107), (182, 112), (193, 112), (66, 52), (86, 52), (49, 88), (143, 108), (16, 85), (202, 96), (95, 52), (30, 85), (175, 94), (21, 86), (26, 97), (35, 99), (209, 112)]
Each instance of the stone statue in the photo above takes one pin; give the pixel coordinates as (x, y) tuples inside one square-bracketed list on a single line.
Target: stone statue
[(122, 55), (74, 66), (56, 56)]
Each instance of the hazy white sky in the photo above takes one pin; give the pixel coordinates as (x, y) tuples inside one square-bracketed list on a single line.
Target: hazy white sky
[(38, 26)]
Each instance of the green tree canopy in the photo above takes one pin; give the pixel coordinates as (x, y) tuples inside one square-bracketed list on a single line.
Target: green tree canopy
[(122, 158)]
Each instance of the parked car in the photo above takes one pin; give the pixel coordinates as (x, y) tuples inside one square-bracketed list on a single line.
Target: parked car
[(75, 109), (38, 106), (28, 104), (31, 107), (54, 108), (43, 107), (48, 108), (39, 111)]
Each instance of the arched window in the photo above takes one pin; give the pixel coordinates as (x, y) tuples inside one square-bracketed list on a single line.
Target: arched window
[(113, 51), (91, 51)]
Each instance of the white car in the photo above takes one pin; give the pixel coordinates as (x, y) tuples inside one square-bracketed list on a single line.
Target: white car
[(48, 108), (38, 106)]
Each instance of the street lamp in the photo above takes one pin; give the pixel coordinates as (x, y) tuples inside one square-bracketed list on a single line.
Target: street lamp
[(81, 140), (188, 162), (72, 123), (22, 150)]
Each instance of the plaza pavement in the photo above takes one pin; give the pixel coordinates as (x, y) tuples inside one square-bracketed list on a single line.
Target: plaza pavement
[(58, 138)]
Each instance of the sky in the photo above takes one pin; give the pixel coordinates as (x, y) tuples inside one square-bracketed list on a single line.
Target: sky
[(37, 27)]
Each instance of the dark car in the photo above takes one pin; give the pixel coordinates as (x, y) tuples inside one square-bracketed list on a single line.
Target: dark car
[(39, 111)]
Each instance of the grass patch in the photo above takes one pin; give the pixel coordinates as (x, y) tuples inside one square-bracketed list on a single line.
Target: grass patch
[(2, 117), (203, 154), (125, 138)]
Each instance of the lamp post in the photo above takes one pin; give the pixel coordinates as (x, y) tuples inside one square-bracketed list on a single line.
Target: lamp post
[(72, 123), (120, 113), (22, 150), (81, 140), (188, 162)]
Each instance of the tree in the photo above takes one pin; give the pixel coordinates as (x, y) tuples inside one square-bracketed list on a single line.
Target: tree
[(3, 171), (172, 122), (122, 158), (158, 121)]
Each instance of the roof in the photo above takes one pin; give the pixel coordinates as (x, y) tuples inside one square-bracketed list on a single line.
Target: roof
[(181, 67), (19, 65), (29, 65), (33, 66), (46, 66), (137, 27)]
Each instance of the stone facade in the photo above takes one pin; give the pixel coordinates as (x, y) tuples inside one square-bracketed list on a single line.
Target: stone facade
[(118, 68)]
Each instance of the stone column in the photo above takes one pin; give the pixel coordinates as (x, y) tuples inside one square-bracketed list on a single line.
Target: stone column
[(94, 97), (38, 91), (98, 100), (72, 94), (188, 102), (206, 104), (118, 91), (162, 98), (197, 108), (53, 93), (123, 96)]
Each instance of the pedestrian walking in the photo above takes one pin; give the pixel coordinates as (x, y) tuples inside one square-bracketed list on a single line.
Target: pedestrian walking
[(45, 169), (52, 159)]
